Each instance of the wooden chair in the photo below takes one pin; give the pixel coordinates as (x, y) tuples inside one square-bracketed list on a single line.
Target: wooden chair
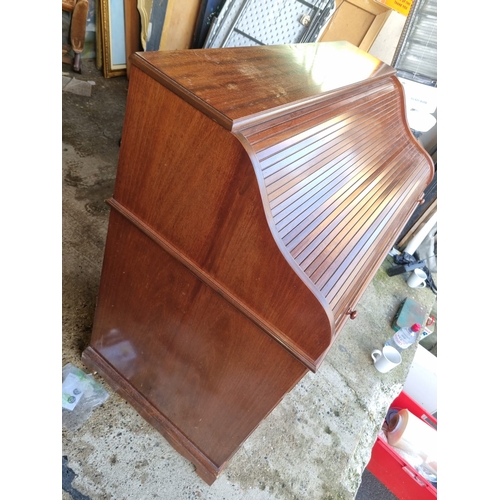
[(79, 10)]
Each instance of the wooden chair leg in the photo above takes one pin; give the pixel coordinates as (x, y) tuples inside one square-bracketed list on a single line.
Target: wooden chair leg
[(78, 29)]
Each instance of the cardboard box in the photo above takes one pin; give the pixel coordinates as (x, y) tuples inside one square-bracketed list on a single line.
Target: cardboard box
[(357, 21)]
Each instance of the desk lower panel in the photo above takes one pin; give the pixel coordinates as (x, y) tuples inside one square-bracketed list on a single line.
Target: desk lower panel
[(191, 363)]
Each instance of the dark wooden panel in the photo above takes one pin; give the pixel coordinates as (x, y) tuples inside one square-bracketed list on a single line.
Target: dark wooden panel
[(210, 368), (206, 203)]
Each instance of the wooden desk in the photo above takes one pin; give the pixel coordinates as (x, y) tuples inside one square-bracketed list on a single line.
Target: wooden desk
[(258, 191)]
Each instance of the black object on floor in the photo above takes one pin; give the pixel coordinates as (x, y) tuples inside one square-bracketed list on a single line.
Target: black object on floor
[(67, 478), (372, 489)]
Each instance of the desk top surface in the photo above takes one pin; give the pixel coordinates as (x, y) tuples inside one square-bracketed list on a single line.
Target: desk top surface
[(234, 83)]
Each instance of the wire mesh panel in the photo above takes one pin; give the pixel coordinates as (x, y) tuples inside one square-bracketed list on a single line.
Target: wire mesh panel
[(263, 22), (416, 54)]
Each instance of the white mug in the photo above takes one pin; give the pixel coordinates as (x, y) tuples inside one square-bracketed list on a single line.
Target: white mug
[(386, 359), (417, 279)]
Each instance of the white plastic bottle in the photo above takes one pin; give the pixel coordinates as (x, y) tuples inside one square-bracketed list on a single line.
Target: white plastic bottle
[(404, 337)]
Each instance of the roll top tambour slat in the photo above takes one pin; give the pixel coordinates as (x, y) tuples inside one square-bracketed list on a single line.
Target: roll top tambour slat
[(329, 228), (332, 148), (337, 185), (361, 233), (264, 135), (337, 179), (353, 253), (335, 125)]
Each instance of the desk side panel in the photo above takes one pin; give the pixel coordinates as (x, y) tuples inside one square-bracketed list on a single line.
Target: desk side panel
[(197, 365), (192, 182)]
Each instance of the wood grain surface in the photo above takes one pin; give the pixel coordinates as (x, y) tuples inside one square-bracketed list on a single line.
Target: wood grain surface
[(236, 85)]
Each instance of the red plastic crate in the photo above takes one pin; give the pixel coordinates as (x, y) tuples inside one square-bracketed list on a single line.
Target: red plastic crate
[(392, 470)]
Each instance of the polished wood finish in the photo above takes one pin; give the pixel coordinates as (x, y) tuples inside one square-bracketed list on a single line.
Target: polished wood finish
[(258, 191)]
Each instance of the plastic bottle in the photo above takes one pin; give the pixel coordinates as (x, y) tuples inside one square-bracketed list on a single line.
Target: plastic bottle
[(404, 337)]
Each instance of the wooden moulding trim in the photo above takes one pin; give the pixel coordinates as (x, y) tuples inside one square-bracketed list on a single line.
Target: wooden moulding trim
[(278, 336), (205, 468), (180, 91)]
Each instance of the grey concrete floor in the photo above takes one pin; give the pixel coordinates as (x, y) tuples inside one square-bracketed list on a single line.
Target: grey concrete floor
[(313, 446)]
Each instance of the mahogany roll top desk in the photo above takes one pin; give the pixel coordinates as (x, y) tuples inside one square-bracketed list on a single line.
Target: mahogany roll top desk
[(258, 191)]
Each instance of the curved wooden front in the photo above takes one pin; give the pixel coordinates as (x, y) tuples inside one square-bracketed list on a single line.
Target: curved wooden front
[(341, 178)]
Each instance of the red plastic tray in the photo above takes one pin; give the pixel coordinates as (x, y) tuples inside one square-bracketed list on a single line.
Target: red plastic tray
[(392, 470)]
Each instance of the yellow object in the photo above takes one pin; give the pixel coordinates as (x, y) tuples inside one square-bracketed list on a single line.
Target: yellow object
[(401, 6)]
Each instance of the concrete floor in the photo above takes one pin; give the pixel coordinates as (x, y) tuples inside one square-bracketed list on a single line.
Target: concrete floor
[(314, 445)]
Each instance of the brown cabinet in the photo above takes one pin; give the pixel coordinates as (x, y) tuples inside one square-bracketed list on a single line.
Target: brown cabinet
[(258, 191)]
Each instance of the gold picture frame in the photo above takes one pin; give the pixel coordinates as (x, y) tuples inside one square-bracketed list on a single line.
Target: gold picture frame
[(112, 27)]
